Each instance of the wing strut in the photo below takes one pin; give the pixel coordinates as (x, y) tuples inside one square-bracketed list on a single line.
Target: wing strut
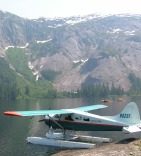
[(56, 122)]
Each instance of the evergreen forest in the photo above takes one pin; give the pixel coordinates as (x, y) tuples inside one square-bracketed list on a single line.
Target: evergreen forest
[(18, 81)]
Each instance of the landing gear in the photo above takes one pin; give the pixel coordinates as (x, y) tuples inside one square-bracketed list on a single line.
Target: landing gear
[(61, 134), (66, 139)]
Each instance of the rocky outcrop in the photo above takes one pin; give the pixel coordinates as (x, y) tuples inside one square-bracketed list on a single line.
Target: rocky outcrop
[(83, 50)]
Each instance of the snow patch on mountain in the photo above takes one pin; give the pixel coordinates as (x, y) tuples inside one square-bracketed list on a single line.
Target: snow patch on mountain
[(80, 61), (44, 41), (118, 30), (130, 32), (6, 48), (34, 71), (22, 47)]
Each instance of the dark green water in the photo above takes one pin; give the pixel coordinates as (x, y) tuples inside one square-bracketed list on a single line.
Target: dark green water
[(15, 130)]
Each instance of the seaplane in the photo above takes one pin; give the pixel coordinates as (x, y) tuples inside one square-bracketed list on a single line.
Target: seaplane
[(79, 119)]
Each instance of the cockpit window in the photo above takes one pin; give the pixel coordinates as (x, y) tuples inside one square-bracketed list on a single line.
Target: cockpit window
[(68, 118), (57, 116)]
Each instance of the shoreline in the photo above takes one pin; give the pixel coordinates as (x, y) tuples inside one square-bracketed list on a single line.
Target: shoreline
[(125, 147)]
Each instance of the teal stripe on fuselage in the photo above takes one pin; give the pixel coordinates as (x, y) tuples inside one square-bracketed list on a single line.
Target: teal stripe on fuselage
[(83, 126)]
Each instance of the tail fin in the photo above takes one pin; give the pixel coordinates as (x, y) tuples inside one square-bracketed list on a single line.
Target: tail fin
[(130, 114)]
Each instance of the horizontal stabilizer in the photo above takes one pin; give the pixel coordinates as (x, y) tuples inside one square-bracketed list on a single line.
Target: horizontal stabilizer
[(131, 129)]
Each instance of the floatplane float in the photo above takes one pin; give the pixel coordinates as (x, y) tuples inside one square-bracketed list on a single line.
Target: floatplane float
[(78, 119)]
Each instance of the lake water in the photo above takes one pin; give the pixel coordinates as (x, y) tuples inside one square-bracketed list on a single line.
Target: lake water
[(15, 130)]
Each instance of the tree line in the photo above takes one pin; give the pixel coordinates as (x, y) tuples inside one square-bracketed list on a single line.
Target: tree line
[(95, 91), (136, 85), (8, 85), (10, 89)]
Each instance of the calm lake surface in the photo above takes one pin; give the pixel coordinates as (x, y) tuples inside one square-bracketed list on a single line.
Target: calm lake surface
[(15, 130)]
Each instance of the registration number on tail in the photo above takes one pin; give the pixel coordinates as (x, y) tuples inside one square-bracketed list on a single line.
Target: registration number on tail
[(125, 115)]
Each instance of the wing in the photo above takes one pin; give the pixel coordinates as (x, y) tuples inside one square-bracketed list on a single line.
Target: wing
[(35, 112), (88, 108), (52, 112)]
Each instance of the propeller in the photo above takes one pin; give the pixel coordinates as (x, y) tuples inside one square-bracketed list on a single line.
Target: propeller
[(49, 121), (32, 117)]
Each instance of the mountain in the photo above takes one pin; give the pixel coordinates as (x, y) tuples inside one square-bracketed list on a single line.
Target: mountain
[(74, 52)]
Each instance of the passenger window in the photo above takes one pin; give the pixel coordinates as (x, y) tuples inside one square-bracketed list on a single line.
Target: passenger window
[(86, 119), (78, 118)]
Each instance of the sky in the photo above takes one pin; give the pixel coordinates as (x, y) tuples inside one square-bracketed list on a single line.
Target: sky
[(65, 8)]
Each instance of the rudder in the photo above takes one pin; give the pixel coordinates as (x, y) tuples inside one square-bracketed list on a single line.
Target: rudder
[(130, 114)]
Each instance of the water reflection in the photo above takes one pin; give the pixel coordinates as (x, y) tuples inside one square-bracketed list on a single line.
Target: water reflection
[(14, 131)]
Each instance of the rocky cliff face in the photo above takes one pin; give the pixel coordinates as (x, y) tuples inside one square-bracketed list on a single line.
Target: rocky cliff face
[(82, 50)]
